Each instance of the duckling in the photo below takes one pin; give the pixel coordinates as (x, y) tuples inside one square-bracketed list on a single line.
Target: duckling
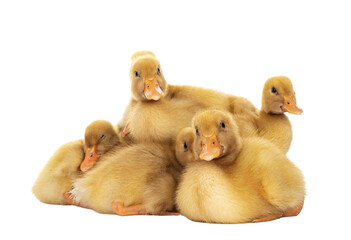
[(278, 97), (100, 137), (130, 180), (148, 82), (63, 167), (270, 122), (184, 146), (158, 111), (237, 179), (58, 174)]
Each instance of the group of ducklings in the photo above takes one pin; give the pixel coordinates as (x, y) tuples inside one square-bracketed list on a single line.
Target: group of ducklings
[(209, 156)]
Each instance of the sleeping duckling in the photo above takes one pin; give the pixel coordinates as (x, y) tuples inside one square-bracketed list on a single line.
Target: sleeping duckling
[(100, 137), (239, 180), (157, 111), (130, 180), (58, 174), (63, 167)]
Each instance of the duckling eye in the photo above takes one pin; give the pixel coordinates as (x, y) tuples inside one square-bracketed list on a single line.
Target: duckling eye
[(222, 125), (197, 131), (274, 90), (185, 147), (158, 69), (136, 74), (102, 137)]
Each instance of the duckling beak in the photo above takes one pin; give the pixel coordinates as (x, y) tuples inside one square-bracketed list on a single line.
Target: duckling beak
[(152, 89), (211, 148), (290, 106), (91, 157)]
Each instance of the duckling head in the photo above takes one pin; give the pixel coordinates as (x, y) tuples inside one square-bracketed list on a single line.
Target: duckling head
[(278, 96), (148, 82), (216, 135), (184, 146), (100, 137)]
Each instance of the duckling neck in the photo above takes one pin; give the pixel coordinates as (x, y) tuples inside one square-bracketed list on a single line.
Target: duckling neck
[(228, 159), (273, 108)]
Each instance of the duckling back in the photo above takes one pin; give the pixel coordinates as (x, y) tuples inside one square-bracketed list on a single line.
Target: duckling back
[(137, 174), (59, 173)]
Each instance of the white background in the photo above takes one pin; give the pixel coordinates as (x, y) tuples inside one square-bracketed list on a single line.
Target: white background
[(64, 64)]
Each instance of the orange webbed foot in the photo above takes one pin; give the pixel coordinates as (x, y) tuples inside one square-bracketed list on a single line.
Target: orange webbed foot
[(121, 210), (138, 209), (67, 196)]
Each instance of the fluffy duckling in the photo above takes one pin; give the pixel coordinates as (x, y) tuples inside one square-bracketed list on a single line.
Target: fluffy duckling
[(58, 174), (184, 146), (239, 180), (131, 180), (270, 122), (100, 137), (147, 80), (63, 167), (278, 97), (157, 111)]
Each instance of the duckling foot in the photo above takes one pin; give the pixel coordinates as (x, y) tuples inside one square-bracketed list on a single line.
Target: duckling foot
[(294, 211), (268, 218), (121, 210), (126, 130), (67, 196), (138, 209)]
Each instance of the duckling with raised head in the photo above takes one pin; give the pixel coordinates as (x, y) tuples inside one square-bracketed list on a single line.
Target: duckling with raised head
[(271, 123), (278, 97), (236, 179), (158, 111)]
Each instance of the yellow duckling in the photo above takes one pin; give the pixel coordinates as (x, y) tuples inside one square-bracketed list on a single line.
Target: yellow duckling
[(271, 123), (100, 137), (157, 111), (184, 146), (59, 173), (278, 97), (238, 180), (63, 167), (130, 180)]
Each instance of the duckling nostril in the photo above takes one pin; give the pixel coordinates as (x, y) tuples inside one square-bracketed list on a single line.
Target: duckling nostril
[(288, 102), (91, 154)]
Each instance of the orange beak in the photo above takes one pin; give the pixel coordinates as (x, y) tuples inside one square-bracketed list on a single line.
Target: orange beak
[(152, 89), (91, 157), (290, 106), (211, 148)]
